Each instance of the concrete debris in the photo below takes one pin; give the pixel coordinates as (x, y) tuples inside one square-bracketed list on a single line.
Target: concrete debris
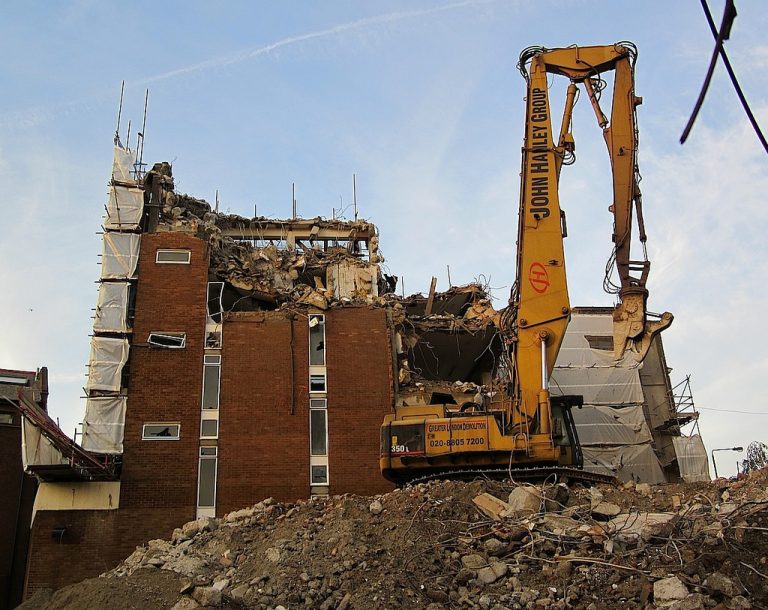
[(669, 589), (447, 344), (447, 544)]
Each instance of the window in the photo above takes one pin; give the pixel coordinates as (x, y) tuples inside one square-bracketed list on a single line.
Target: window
[(167, 340), (161, 432), (316, 340), (601, 342), (319, 475), (6, 418), (215, 308), (173, 257), (206, 480), (209, 428), (211, 381), (318, 432), (317, 383)]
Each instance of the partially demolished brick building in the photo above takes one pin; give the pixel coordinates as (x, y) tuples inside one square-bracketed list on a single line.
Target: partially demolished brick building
[(235, 359)]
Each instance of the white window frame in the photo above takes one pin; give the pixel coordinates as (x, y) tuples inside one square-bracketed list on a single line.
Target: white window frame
[(211, 453), (169, 334), (211, 360), (209, 415), (321, 318), (322, 374), (163, 251), (319, 404), (324, 410), (144, 436)]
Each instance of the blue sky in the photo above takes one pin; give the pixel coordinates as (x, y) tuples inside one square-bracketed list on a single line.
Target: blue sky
[(423, 102)]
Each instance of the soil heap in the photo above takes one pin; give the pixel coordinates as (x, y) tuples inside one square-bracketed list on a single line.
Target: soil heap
[(447, 544)]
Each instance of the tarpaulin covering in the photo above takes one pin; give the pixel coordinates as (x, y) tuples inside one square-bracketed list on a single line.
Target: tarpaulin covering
[(691, 458), (122, 165), (120, 256), (108, 356), (104, 424), (111, 307), (633, 462), (593, 373), (36, 449), (612, 386), (124, 207), (600, 425)]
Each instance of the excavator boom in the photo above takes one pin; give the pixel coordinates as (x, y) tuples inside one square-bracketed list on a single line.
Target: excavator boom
[(530, 428)]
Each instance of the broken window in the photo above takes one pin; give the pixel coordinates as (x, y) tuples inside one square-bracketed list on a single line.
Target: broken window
[(318, 431), (317, 383), (601, 342), (215, 308), (167, 340), (161, 432), (213, 339), (206, 481), (209, 428), (317, 340), (319, 475), (211, 381), (174, 257)]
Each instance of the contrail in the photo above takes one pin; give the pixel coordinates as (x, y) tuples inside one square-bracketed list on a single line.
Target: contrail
[(292, 40), (34, 116)]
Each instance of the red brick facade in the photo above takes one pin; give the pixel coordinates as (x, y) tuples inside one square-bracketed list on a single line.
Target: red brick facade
[(263, 443)]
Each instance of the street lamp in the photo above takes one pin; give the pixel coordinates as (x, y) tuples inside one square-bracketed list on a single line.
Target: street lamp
[(714, 464)]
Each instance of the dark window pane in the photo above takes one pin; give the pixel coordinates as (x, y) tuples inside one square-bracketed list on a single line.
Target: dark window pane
[(319, 475), (317, 383), (206, 493), (211, 386), (317, 435), (209, 427), (316, 341)]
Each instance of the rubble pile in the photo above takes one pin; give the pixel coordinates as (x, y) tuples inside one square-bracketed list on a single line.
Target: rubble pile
[(443, 544)]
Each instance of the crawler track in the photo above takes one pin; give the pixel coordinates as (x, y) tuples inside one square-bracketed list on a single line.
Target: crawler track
[(561, 473)]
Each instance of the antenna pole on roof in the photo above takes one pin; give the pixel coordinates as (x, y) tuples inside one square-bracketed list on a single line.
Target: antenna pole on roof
[(450, 285), (217, 201), (143, 128), (119, 113), (293, 198), (354, 194)]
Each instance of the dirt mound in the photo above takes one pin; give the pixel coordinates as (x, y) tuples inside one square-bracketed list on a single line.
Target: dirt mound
[(482, 544)]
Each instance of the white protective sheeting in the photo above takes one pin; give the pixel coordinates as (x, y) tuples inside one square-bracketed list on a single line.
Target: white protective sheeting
[(120, 256), (611, 386), (600, 425), (593, 373), (124, 208), (691, 458), (108, 356), (635, 463), (104, 424), (122, 165), (36, 450), (112, 307)]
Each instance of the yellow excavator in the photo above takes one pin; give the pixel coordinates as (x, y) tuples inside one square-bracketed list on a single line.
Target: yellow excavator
[(529, 433)]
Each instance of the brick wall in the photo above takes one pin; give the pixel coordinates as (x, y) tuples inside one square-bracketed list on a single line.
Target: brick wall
[(16, 499), (166, 384), (93, 542), (264, 416), (263, 436), (360, 393)]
